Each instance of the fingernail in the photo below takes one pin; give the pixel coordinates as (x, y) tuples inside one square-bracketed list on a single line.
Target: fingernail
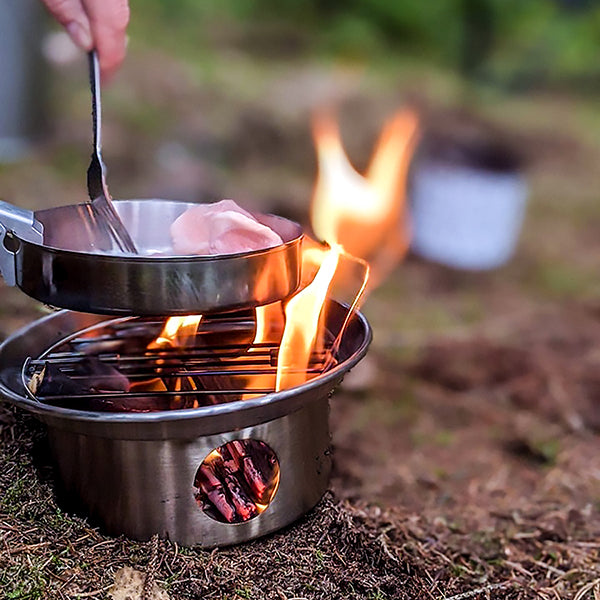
[(80, 34)]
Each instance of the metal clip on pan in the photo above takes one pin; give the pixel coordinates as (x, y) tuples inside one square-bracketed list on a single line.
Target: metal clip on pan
[(18, 224)]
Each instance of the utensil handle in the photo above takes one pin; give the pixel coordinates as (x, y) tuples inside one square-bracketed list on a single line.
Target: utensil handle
[(96, 102), (21, 223)]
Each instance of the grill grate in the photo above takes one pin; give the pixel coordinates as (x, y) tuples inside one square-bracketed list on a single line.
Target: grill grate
[(113, 366)]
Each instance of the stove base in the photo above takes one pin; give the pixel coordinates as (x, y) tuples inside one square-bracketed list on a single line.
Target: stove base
[(144, 487)]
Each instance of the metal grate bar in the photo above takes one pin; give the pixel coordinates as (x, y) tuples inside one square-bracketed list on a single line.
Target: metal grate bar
[(135, 395), (199, 374), (128, 362), (132, 361), (205, 372), (255, 347)]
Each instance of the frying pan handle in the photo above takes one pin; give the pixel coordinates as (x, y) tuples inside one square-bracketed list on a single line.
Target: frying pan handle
[(22, 224)]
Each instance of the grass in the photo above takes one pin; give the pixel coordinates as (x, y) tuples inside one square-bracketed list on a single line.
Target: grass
[(26, 580), (563, 281), (337, 551)]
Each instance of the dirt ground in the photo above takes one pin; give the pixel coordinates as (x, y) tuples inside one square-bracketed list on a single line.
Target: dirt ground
[(466, 443)]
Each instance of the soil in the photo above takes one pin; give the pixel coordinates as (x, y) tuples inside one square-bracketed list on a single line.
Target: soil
[(470, 467)]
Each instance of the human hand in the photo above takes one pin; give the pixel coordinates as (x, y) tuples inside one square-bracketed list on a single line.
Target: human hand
[(99, 24)]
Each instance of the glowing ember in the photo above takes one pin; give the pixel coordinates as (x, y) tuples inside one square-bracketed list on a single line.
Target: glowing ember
[(237, 481)]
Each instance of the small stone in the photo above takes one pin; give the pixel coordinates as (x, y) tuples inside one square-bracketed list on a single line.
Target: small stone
[(129, 585)]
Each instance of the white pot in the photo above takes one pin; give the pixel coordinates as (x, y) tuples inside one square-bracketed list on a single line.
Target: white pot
[(466, 217)]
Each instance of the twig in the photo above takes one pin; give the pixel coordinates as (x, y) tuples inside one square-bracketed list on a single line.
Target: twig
[(550, 568), (518, 568), (94, 593), (433, 582), (27, 548), (151, 569), (471, 593), (382, 539), (588, 587)]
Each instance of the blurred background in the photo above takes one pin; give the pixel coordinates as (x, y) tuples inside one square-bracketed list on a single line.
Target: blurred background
[(214, 100)]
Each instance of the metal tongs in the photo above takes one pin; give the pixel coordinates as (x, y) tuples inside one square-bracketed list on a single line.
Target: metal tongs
[(103, 215)]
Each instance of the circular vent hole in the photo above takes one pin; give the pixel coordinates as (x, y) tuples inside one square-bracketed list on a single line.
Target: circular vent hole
[(237, 481)]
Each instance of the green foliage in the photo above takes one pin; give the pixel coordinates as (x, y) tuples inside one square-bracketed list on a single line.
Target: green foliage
[(353, 37), (538, 39), (376, 595), (560, 280), (544, 39), (432, 28), (25, 580), (10, 501), (548, 450)]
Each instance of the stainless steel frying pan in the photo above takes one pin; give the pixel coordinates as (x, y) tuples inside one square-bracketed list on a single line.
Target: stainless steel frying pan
[(55, 257)]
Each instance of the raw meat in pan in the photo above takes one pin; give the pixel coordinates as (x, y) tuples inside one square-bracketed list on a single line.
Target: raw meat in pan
[(220, 228)]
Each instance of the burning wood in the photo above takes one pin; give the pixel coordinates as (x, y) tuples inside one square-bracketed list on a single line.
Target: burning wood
[(88, 375), (214, 494), (162, 364), (182, 333), (237, 481), (255, 470), (90, 384)]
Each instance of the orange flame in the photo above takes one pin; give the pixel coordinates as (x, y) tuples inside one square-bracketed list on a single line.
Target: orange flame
[(360, 217), (177, 332), (364, 214), (302, 323), (269, 323)]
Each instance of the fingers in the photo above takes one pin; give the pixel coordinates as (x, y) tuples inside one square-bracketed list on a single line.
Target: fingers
[(95, 23), (108, 21), (71, 14)]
